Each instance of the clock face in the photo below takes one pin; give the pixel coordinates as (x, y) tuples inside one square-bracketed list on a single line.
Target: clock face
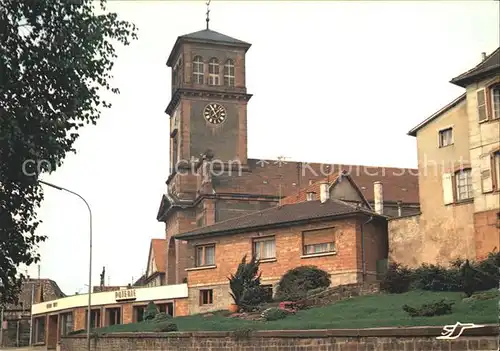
[(214, 113)]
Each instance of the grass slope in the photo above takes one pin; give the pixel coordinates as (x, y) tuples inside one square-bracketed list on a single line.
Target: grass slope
[(360, 312)]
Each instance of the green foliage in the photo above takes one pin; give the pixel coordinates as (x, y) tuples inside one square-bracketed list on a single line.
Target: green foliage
[(437, 278), (165, 327), (295, 283), (150, 312), (55, 59), (438, 308), (245, 286), (461, 275), (274, 314), (397, 279), (161, 317)]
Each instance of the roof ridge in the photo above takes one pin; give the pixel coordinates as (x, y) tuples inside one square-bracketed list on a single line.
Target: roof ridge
[(483, 62), (326, 163)]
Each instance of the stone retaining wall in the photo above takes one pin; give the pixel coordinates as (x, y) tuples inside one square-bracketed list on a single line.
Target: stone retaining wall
[(379, 339)]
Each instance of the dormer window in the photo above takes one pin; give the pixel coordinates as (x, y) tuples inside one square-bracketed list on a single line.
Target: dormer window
[(198, 69), (229, 73), (213, 72)]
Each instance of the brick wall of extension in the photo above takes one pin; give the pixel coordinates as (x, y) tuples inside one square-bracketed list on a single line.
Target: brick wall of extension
[(408, 339)]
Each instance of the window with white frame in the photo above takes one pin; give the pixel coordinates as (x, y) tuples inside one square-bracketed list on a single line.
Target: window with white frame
[(229, 73), (495, 101), (213, 71), (264, 248), (205, 255), (463, 180), (445, 137), (198, 69)]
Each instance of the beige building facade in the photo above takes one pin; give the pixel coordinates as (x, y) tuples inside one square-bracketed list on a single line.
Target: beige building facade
[(459, 176)]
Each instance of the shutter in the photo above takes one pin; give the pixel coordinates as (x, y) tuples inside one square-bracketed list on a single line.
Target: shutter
[(486, 181), (447, 188), (481, 105), (320, 236)]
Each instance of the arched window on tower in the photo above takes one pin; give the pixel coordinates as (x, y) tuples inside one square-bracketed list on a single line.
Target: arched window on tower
[(229, 73), (213, 71), (198, 70)]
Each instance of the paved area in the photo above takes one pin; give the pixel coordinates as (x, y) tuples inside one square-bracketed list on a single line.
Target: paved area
[(23, 349)]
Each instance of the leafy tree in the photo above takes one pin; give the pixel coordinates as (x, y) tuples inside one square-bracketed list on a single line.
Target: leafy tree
[(245, 286), (56, 58)]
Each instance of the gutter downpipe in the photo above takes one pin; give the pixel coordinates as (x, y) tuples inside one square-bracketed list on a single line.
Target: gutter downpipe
[(363, 253)]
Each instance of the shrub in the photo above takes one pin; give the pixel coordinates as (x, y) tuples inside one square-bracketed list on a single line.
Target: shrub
[(150, 311), (437, 278), (246, 290), (162, 317), (166, 327), (273, 314), (438, 308), (295, 284), (397, 279)]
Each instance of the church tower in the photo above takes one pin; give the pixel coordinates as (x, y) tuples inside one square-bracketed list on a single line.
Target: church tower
[(208, 115), (208, 108)]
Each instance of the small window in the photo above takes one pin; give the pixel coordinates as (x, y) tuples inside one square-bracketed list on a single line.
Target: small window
[(495, 101), (264, 248), (213, 72), (205, 255), (229, 73), (481, 105), (66, 323), (268, 292), (206, 297), (113, 316), (463, 180), (496, 169), (319, 241), (445, 137), (198, 70), (95, 319), (139, 313), (167, 308)]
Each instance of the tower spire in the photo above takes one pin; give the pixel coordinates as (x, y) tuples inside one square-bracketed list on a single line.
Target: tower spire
[(208, 12)]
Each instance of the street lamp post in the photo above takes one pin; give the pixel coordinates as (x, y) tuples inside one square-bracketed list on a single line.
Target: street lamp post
[(89, 313)]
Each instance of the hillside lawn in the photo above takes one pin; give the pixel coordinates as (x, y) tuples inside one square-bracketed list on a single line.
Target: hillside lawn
[(383, 310)]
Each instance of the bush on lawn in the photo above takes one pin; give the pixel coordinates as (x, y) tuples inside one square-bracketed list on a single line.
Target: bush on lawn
[(438, 308), (296, 283), (397, 279), (437, 278), (162, 317), (166, 327), (245, 286), (274, 314), (150, 312)]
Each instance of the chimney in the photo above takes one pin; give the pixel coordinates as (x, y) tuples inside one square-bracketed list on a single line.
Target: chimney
[(378, 197), (325, 193), (310, 195), (483, 56)]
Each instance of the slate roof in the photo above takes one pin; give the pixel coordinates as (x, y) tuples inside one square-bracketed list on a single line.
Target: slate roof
[(206, 36), (278, 216), (488, 66), (455, 102)]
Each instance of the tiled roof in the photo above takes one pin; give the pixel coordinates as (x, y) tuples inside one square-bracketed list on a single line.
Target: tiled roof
[(490, 65), (266, 176), (207, 36), (301, 195), (45, 287), (159, 251), (278, 216), (211, 35)]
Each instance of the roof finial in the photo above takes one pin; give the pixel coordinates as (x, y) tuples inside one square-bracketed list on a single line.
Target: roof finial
[(208, 12)]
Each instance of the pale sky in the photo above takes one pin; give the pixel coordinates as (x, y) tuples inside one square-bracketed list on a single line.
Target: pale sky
[(337, 82)]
